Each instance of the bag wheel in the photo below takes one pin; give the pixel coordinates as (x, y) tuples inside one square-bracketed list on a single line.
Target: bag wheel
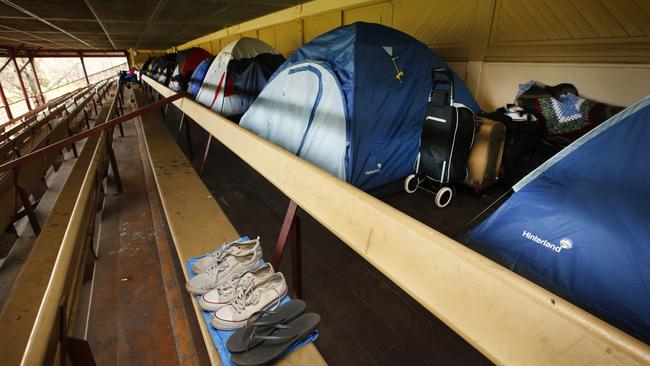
[(411, 183), (443, 197)]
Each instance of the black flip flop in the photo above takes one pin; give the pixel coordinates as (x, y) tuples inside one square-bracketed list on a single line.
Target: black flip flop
[(275, 345), (263, 323)]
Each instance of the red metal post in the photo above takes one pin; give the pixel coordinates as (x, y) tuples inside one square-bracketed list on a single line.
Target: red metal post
[(22, 85), (6, 104), (38, 83), (290, 231), (83, 66), (85, 133)]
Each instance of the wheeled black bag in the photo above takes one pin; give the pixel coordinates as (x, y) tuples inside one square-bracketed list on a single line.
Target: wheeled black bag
[(448, 133)]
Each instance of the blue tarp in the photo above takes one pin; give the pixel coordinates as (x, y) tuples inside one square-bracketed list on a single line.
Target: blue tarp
[(579, 225), (198, 75), (383, 112)]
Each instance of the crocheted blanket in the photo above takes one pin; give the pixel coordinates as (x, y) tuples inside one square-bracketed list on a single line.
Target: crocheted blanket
[(564, 113)]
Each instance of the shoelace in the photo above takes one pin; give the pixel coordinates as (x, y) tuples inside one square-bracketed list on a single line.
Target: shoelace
[(242, 296), (218, 255), (216, 269), (232, 285)]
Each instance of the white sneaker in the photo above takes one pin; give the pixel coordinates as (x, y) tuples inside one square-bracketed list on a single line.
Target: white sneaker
[(231, 268), (222, 295), (237, 248), (248, 299)]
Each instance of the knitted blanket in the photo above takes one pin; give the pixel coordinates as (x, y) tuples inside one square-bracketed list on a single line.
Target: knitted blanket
[(564, 113)]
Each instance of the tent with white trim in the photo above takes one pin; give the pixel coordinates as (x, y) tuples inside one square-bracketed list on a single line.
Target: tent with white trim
[(237, 75), (352, 102)]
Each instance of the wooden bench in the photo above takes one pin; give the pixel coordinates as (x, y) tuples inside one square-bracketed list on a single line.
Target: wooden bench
[(195, 220), (19, 316), (28, 178)]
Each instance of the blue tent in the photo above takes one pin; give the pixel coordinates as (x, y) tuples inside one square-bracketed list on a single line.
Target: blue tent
[(352, 102), (579, 225), (198, 75)]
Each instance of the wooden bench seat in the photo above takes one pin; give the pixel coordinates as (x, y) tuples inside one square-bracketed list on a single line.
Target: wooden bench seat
[(196, 221), (19, 315)]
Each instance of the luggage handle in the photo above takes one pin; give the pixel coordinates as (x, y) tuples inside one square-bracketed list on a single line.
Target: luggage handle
[(450, 81)]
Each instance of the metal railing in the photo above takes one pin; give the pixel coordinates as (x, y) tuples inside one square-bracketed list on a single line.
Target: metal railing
[(18, 107)]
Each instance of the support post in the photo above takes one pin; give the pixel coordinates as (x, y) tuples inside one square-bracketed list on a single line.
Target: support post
[(190, 150), (113, 161), (5, 103), (83, 66), (290, 231), (22, 85), (38, 83), (180, 128), (27, 204), (205, 154), (77, 350)]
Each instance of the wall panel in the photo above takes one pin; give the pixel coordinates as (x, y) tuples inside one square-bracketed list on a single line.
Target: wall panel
[(619, 84), (285, 37), (379, 13), (436, 22), (227, 40), (216, 46), (580, 41), (206, 46), (315, 26)]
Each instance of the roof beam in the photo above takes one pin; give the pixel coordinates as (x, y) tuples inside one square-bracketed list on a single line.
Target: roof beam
[(24, 41), (153, 15), (25, 11), (31, 34), (11, 54), (100, 23), (61, 53)]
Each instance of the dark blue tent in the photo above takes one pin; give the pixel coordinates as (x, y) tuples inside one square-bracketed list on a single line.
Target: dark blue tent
[(352, 102), (579, 225), (198, 75)]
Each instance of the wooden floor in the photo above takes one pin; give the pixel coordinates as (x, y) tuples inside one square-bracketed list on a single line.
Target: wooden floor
[(366, 319), (129, 309)]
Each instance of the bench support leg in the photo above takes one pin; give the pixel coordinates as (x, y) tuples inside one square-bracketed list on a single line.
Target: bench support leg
[(190, 150), (73, 145), (116, 172), (87, 120), (77, 350), (205, 154), (180, 128), (290, 231), (27, 204)]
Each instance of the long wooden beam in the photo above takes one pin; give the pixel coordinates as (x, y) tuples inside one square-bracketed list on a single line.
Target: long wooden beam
[(506, 317)]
